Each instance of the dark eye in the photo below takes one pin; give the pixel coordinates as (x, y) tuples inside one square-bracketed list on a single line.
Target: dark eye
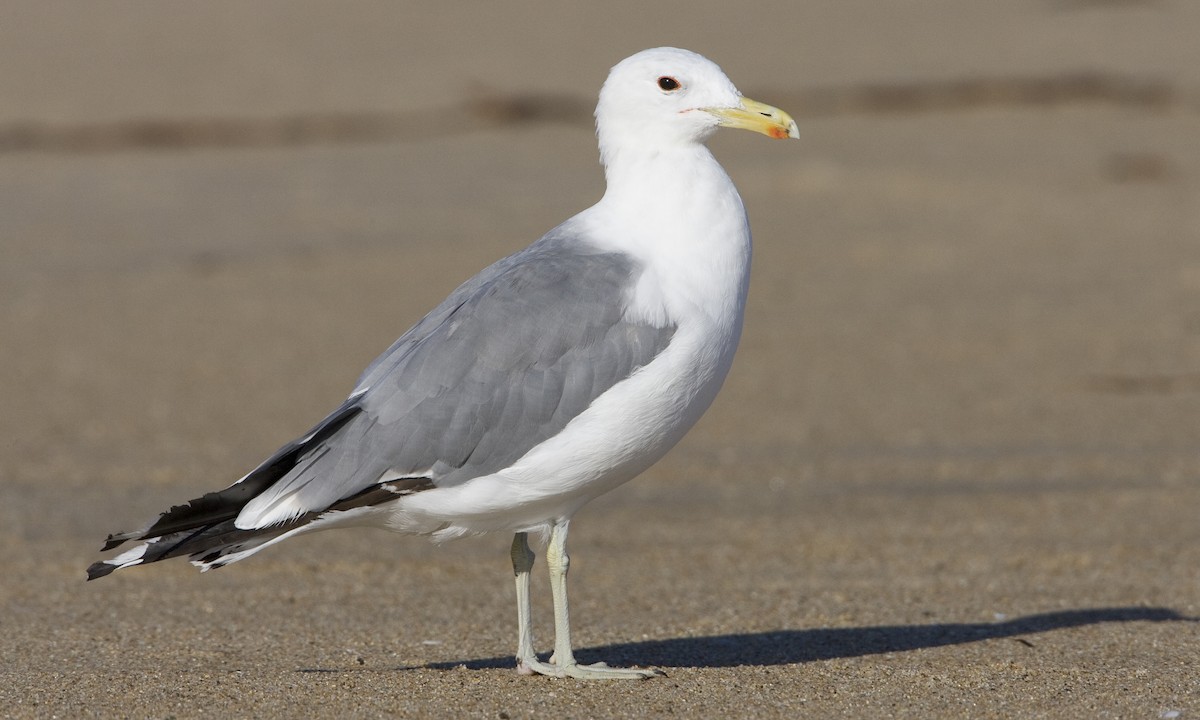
[(668, 83)]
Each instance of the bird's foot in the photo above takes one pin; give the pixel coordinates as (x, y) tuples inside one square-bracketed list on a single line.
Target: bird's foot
[(598, 671)]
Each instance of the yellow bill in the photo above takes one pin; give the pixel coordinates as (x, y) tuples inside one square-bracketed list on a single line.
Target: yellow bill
[(756, 116)]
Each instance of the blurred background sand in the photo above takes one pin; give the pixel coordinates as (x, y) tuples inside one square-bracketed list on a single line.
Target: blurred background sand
[(954, 472)]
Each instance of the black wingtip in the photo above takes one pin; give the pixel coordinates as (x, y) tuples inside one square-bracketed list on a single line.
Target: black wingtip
[(114, 541), (99, 570)]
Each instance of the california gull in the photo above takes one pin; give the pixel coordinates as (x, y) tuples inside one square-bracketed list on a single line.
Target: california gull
[(548, 379)]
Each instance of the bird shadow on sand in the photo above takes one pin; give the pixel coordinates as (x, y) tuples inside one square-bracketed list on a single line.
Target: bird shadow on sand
[(786, 647)]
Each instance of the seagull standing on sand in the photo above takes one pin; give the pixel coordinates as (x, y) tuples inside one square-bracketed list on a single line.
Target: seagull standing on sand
[(548, 379)]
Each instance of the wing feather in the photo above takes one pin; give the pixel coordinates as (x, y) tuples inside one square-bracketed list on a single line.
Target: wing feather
[(502, 365)]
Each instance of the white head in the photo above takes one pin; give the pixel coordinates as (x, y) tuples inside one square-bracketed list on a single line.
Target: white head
[(670, 97)]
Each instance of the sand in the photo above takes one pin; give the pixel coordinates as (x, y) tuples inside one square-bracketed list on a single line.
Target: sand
[(954, 472)]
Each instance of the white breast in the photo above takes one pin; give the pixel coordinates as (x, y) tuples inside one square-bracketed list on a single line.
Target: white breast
[(692, 239)]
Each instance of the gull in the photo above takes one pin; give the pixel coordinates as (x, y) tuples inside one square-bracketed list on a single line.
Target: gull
[(551, 377)]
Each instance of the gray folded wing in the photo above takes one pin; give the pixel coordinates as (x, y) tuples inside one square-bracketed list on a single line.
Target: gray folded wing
[(503, 364)]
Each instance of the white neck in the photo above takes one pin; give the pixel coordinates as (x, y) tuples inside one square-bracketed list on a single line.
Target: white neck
[(676, 210)]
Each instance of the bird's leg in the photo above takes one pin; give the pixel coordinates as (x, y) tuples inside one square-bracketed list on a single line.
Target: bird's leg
[(522, 560), (564, 664)]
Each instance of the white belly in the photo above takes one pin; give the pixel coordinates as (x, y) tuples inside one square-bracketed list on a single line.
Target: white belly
[(625, 431)]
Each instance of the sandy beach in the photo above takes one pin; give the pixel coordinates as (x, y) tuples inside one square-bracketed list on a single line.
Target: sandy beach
[(955, 471)]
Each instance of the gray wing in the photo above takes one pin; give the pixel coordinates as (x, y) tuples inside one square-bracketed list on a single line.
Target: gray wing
[(503, 364)]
